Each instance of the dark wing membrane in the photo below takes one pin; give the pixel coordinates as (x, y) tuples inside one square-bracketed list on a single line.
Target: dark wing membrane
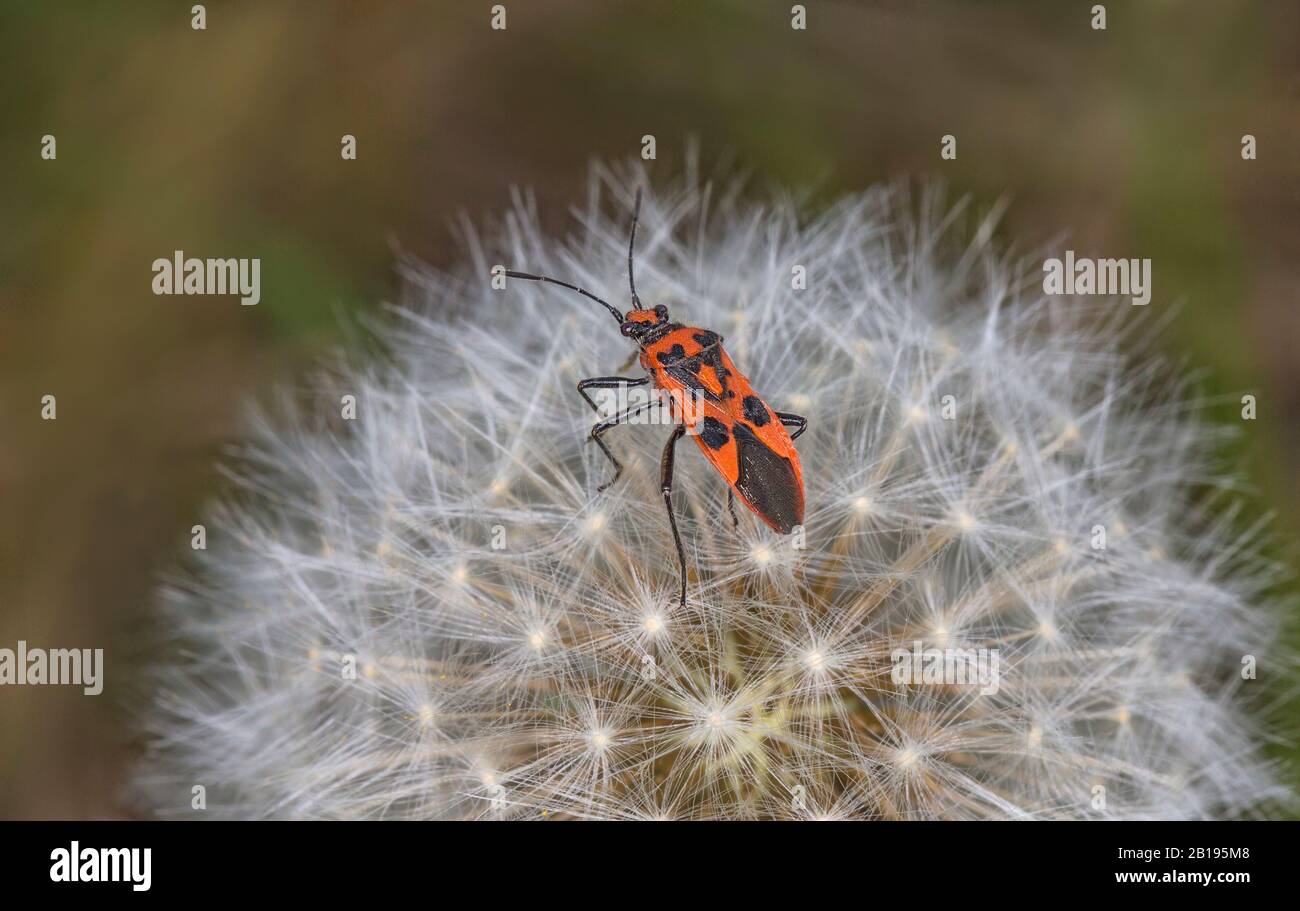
[(767, 481)]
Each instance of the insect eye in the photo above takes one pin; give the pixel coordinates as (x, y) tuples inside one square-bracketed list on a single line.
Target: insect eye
[(628, 328), (661, 312)]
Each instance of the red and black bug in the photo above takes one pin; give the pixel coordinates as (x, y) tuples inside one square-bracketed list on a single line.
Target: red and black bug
[(744, 438)]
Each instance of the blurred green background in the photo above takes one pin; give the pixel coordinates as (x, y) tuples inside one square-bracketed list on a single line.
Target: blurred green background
[(225, 142)]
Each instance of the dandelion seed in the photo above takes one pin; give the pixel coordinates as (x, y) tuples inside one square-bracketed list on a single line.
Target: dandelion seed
[(963, 520), (906, 758)]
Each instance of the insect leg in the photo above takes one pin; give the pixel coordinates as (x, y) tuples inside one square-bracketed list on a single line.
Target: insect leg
[(666, 484), (790, 419), (731, 507), (602, 426), (608, 382)]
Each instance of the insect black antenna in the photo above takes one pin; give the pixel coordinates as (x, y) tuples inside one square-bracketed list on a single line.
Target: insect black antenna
[(528, 276), (631, 244)]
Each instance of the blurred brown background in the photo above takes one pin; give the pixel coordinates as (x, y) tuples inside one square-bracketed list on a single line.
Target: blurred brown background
[(225, 142)]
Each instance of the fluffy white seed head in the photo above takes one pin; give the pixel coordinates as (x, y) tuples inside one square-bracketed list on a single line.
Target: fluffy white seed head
[(429, 611)]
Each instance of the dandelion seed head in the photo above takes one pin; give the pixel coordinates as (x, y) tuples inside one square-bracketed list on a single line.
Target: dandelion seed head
[(550, 673)]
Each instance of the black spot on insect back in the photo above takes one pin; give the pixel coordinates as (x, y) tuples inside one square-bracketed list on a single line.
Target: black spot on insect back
[(705, 338), (714, 433), (755, 411), (672, 355)]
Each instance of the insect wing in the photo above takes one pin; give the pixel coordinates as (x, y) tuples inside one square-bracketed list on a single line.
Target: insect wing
[(746, 442)]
